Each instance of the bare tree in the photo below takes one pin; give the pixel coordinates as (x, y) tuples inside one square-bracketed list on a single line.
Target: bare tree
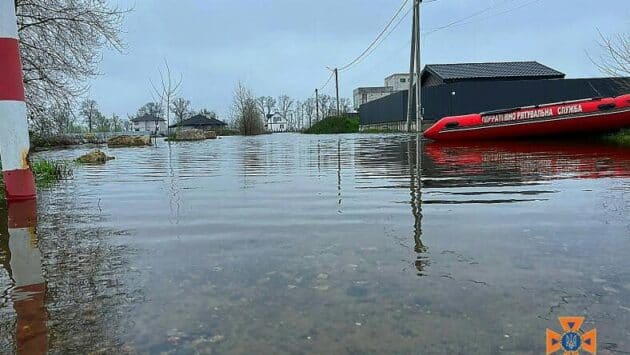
[(208, 113), (116, 123), (266, 105), (60, 42), (89, 111), (63, 119), (285, 103), (615, 60), (151, 109), (309, 110), (246, 114), (345, 104), (299, 115), (181, 109), (326, 105), (103, 124), (169, 88)]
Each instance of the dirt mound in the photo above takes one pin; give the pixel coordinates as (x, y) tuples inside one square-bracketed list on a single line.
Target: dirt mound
[(129, 141), (94, 157)]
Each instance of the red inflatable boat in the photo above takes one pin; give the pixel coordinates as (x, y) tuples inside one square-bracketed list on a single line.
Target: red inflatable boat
[(581, 116)]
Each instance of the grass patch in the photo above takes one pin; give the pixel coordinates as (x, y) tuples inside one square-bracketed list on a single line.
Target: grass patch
[(621, 138), (48, 172), (335, 125)]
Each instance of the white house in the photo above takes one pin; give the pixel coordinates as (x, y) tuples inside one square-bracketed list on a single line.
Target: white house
[(276, 123), (149, 124)]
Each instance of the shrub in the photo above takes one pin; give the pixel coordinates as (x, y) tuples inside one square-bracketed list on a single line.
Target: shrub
[(334, 125)]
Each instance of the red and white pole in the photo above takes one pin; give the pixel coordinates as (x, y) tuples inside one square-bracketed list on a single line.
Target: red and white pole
[(14, 141)]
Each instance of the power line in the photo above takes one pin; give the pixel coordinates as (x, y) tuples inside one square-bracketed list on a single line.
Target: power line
[(383, 38), (463, 21), (332, 73), (501, 13), (377, 37)]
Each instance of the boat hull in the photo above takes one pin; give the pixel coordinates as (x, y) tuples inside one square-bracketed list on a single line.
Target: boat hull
[(474, 127)]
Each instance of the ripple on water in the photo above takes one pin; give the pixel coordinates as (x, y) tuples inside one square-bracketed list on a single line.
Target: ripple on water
[(290, 243)]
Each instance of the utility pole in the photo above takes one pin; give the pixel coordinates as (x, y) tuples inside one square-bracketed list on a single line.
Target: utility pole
[(337, 85), (418, 69), (412, 58), (316, 105)]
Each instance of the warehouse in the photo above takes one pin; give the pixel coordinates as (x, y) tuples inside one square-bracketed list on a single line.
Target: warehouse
[(457, 89)]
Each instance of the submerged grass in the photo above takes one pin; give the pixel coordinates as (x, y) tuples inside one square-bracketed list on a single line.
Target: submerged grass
[(334, 125), (48, 172), (621, 138)]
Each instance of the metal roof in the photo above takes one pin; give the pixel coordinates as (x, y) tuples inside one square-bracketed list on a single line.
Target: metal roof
[(200, 120), (147, 118), (501, 70)]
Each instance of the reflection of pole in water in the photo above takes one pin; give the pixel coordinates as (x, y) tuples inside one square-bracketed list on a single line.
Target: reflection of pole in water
[(415, 173), (339, 174), (29, 292)]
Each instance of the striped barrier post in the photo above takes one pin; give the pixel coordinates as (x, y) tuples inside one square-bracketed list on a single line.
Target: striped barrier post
[(14, 141)]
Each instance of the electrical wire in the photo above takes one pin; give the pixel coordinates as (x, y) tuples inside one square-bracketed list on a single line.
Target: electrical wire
[(382, 39), (500, 13), (377, 37), (464, 21), (327, 81)]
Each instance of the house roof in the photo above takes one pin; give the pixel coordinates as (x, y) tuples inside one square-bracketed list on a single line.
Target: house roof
[(200, 120), (147, 118), (502, 70)]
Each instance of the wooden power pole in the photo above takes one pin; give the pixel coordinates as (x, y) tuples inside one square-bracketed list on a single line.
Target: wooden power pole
[(418, 69), (412, 57), (337, 88), (316, 105)]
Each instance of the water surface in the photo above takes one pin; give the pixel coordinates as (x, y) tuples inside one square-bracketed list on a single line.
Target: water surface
[(324, 244)]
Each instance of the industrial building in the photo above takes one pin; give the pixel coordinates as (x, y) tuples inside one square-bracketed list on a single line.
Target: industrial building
[(457, 89), (393, 83)]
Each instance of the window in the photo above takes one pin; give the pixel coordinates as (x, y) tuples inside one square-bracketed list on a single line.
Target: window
[(403, 80), (364, 97), (281, 126)]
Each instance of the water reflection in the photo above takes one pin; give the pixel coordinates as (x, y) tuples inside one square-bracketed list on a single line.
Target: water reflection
[(28, 290), (415, 185), (529, 161), (315, 244)]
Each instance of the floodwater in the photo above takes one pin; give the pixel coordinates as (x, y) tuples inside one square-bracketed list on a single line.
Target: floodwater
[(323, 244)]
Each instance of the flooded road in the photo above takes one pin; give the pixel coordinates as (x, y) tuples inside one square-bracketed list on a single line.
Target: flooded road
[(323, 244)]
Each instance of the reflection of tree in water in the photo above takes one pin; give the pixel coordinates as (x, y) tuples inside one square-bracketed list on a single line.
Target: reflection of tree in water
[(252, 155), (89, 289)]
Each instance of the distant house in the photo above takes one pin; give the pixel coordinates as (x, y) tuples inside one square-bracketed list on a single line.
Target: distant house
[(148, 124), (276, 123), (201, 122)]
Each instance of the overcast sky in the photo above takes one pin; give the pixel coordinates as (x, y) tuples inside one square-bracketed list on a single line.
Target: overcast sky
[(283, 46)]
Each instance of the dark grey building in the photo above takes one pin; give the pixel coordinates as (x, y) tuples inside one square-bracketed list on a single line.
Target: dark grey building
[(457, 89), (200, 122), (438, 74)]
